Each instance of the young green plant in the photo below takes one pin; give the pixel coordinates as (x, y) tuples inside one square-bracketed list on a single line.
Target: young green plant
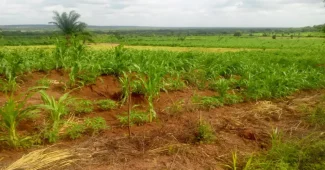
[(57, 109)]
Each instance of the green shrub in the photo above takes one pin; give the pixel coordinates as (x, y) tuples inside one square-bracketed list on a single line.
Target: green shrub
[(57, 109), (204, 102), (274, 37), (106, 104), (205, 133), (96, 124), (136, 118), (75, 130), (11, 114), (232, 99), (83, 106), (8, 85), (237, 34)]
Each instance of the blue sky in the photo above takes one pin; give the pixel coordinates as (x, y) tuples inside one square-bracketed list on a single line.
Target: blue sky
[(177, 13)]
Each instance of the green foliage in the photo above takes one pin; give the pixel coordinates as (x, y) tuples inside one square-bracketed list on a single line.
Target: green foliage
[(8, 85), (174, 83), (75, 130), (205, 102), (44, 82), (136, 118), (205, 133), (237, 34), (222, 86), (232, 99), (151, 80), (176, 108), (317, 115), (96, 124), (83, 106), (106, 104), (307, 154), (92, 125), (11, 114), (274, 37), (68, 23), (57, 109)]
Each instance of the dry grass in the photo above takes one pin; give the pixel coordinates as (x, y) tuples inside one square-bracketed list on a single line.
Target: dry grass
[(45, 159), (267, 110)]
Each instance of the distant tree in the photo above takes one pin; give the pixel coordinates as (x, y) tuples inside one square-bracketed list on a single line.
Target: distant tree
[(68, 23), (237, 34), (274, 36)]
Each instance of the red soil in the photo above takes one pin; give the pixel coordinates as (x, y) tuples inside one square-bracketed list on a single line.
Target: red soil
[(168, 143)]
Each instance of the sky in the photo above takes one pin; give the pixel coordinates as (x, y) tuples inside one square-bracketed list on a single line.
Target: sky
[(170, 13)]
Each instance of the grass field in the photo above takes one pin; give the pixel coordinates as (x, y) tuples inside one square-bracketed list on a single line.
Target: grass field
[(204, 102), (228, 42)]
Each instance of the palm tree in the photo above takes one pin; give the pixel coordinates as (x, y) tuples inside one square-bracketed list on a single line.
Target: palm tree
[(68, 23)]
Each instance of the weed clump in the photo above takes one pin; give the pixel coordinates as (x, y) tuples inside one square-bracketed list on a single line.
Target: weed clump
[(106, 104), (136, 118), (205, 133), (83, 106), (306, 154)]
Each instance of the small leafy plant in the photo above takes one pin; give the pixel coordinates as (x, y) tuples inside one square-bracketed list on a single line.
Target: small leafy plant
[(83, 106), (205, 102), (106, 104), (205, 133), (176, 108), (8, 85), (12, 113), (136, 118), (57, 109), (75, 130), (96, 124)]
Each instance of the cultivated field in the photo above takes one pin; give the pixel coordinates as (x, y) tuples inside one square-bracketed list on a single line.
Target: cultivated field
[(202, 102)]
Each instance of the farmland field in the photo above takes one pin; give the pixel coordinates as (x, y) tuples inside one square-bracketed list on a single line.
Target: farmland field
[(202, 102)]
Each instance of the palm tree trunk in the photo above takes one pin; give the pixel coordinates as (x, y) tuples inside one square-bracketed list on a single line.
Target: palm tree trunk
[(68, 38)]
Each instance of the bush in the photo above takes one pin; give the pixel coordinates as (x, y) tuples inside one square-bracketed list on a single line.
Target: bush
[(237, 34), (136, 118), (75, 130), (106, 104), (96, 124), (205, 133), (205, 102), (83, 106), (274, 37)]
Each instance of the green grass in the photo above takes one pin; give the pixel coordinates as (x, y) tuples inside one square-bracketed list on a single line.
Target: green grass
[(289, 66), (293, 154), (227, 42)]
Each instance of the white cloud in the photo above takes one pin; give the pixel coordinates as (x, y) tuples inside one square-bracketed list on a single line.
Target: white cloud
[(193, 13)]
